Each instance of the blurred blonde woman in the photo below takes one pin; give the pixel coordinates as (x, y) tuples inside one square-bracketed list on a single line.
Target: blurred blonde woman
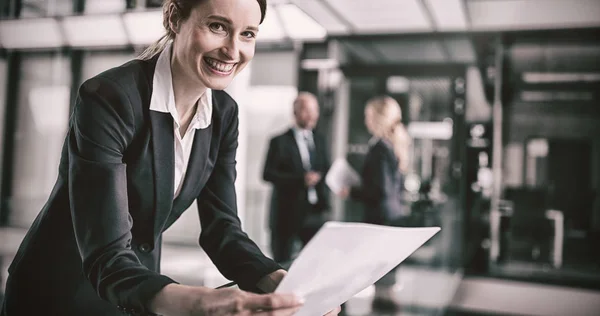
[(382, 178)]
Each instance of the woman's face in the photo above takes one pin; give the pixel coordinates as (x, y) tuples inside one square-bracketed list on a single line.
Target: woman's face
[(217, 41)]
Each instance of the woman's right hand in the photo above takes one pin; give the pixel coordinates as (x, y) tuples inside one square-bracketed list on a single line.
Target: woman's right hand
[(175, 299)]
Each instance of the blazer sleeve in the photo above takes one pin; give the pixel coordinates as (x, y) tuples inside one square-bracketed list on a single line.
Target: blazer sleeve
[(376, 181), (272, 171), (102, 127), (236, 256)]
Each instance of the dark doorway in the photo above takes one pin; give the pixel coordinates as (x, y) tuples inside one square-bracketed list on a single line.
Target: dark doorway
[(569, 180)]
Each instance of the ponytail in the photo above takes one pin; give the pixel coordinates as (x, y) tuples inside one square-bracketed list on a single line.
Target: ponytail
[(401, 143), (155, 48)]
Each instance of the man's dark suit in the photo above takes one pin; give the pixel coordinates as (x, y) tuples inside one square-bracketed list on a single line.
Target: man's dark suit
[(94, 249), (292, 215)]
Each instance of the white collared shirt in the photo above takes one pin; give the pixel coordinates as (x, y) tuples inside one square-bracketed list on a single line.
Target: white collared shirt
[(304, 140), (163, 100)]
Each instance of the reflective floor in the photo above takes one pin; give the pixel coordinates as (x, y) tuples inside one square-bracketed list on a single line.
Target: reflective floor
[(424, 291)]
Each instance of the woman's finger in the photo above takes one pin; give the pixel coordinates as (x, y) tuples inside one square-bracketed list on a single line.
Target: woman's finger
[(279, 312), (272, 301)]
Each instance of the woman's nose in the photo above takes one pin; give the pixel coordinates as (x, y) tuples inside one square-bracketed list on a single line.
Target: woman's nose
[(231, 49)]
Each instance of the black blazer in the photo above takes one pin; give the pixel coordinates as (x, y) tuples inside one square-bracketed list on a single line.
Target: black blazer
[(284, 169), (381, 187), (94, 249)]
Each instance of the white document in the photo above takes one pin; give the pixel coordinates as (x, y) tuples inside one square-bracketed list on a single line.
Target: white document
[(341, 175), (344, 259)]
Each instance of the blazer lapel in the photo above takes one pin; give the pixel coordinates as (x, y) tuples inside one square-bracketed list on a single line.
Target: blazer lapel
[(295, 150), (196, 165), (163, 164)]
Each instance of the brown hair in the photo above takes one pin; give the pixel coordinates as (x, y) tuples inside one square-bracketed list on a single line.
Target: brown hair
[(387, 124), (183, 9)]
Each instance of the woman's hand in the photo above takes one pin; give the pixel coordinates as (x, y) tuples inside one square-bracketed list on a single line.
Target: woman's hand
[(237, 302), (270, 282), (175, 299)]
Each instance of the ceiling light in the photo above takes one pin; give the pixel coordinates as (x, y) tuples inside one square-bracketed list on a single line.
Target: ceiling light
[(30, 33), (270, 30), (298, 25), (430, 130), (313, 64), (144, 27), (546, 77), (95, 30)]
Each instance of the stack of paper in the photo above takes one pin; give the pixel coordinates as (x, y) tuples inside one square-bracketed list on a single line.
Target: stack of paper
[(344, 259)]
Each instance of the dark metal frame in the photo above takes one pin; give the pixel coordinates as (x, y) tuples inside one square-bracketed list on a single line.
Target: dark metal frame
[(10, 119)]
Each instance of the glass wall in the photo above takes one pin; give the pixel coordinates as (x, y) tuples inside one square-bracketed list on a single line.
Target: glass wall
[(42, 118), (3, 74)]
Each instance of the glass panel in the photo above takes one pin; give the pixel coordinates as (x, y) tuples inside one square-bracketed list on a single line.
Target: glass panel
[(43, 111), (429, 192), (270, 105), (3, 74), (97, 62)]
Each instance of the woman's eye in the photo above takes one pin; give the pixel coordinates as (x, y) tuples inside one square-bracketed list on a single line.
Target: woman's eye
[(217, 27), (249, 34)]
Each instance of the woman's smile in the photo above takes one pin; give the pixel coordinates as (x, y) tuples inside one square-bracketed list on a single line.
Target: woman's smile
[(219, 67)]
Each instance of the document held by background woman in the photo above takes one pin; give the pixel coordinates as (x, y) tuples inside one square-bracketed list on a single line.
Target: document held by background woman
[(345, 258), (341, 175)]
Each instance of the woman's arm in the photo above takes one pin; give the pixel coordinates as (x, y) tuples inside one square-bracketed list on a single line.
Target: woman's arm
[(232, 251), (102, 126)]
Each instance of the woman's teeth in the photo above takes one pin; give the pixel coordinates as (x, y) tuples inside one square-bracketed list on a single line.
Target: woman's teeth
[(219, 66)]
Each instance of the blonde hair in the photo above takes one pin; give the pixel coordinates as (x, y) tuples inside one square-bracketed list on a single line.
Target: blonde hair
[(386, 123), (181, 11)]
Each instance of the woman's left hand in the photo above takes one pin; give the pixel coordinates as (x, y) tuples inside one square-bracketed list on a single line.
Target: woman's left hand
[(269, 283)]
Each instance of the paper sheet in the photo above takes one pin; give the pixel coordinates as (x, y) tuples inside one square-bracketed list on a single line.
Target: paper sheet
[(344, 259), (341, 175)]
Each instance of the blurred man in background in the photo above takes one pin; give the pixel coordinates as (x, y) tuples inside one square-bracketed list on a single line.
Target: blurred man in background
[(296, 164)]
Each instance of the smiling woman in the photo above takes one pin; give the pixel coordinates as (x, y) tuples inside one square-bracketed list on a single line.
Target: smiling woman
[(146, 140)]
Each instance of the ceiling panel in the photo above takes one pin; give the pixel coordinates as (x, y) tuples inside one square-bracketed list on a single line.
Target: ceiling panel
[(448, 15), (383, 16), (298, 24), (533, 14), (319, 11)]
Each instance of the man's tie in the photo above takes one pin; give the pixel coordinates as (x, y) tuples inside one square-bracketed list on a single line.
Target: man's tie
[(312, 157), (312, 193)]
